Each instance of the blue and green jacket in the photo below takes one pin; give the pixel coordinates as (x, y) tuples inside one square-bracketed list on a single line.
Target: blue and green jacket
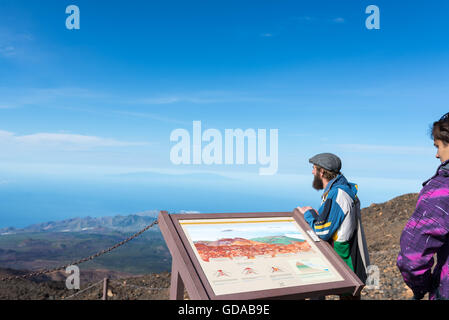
[(338, 221)]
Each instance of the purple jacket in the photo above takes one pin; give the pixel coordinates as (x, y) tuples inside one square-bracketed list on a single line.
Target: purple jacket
[(427, 233)]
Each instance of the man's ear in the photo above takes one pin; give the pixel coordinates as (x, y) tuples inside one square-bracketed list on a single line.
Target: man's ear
[(321, 173)]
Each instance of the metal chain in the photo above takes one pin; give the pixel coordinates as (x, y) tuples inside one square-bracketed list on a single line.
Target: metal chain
[(100, 253), (118, 282), (81, 291)]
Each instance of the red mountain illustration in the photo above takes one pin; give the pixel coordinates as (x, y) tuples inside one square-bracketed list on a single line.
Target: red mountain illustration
[(240, 247)]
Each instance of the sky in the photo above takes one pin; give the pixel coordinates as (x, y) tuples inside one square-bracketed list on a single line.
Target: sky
[(86, 114)]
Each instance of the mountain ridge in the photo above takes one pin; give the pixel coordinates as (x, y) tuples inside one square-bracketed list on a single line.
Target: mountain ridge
[(117, 223)]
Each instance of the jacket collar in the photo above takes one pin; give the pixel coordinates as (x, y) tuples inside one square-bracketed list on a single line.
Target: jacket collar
[(329, 186), (445, 165), (442, 169)]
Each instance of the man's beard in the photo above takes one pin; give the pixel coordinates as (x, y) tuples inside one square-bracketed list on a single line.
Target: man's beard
[(317, 183)]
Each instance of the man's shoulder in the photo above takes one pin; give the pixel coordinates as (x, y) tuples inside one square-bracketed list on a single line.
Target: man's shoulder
[(341, 191), (343, 198)]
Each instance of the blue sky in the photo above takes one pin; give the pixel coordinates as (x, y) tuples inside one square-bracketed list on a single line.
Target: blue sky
[(91, 106)]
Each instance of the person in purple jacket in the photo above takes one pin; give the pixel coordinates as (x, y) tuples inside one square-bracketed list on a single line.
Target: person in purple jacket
[(427, 231)]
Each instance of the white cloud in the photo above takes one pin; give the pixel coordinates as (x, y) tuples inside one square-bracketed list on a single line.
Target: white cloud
[(22, 97), (298, 135), (303, 19), (5, 134), (17, 45), (163, 100), (203, 97), (309, 19), (151, 116), (339, 20), (8, 51), (176, 99), (412, 150), (65, 141)]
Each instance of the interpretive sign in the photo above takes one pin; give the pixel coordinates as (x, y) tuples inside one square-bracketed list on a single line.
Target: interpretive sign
[(252, 256)]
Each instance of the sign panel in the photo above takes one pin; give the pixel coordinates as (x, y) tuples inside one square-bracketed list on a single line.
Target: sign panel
[(248, 254), (252, 256)]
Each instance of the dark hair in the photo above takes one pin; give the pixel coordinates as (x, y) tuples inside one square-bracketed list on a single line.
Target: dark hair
[(440, 129), (328, 175)]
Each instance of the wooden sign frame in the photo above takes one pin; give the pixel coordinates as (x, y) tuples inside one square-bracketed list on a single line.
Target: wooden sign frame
[(187, 271)]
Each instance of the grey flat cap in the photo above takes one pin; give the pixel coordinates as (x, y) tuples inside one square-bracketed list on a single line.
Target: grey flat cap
[(327, 161)]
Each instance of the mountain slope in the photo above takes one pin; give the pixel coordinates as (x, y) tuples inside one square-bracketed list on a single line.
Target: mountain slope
[(383, 225)]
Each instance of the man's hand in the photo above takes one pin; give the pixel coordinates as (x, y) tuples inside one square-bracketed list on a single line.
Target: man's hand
[(303, 210)]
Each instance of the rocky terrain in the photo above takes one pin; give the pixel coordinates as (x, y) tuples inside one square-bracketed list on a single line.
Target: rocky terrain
[(383, 225), (121, 287)]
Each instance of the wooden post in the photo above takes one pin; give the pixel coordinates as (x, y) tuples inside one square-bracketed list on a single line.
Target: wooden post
[(176, 285), (183, 271), (105, 289)]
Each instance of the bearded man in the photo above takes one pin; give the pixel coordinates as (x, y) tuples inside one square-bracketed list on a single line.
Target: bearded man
[(338, 220)]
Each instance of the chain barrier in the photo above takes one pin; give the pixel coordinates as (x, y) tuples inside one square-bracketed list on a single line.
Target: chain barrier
[(100, 253), (81, 291), (117, 282)]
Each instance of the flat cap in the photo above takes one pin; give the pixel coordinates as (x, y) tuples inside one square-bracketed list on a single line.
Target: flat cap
[(327, 161)]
